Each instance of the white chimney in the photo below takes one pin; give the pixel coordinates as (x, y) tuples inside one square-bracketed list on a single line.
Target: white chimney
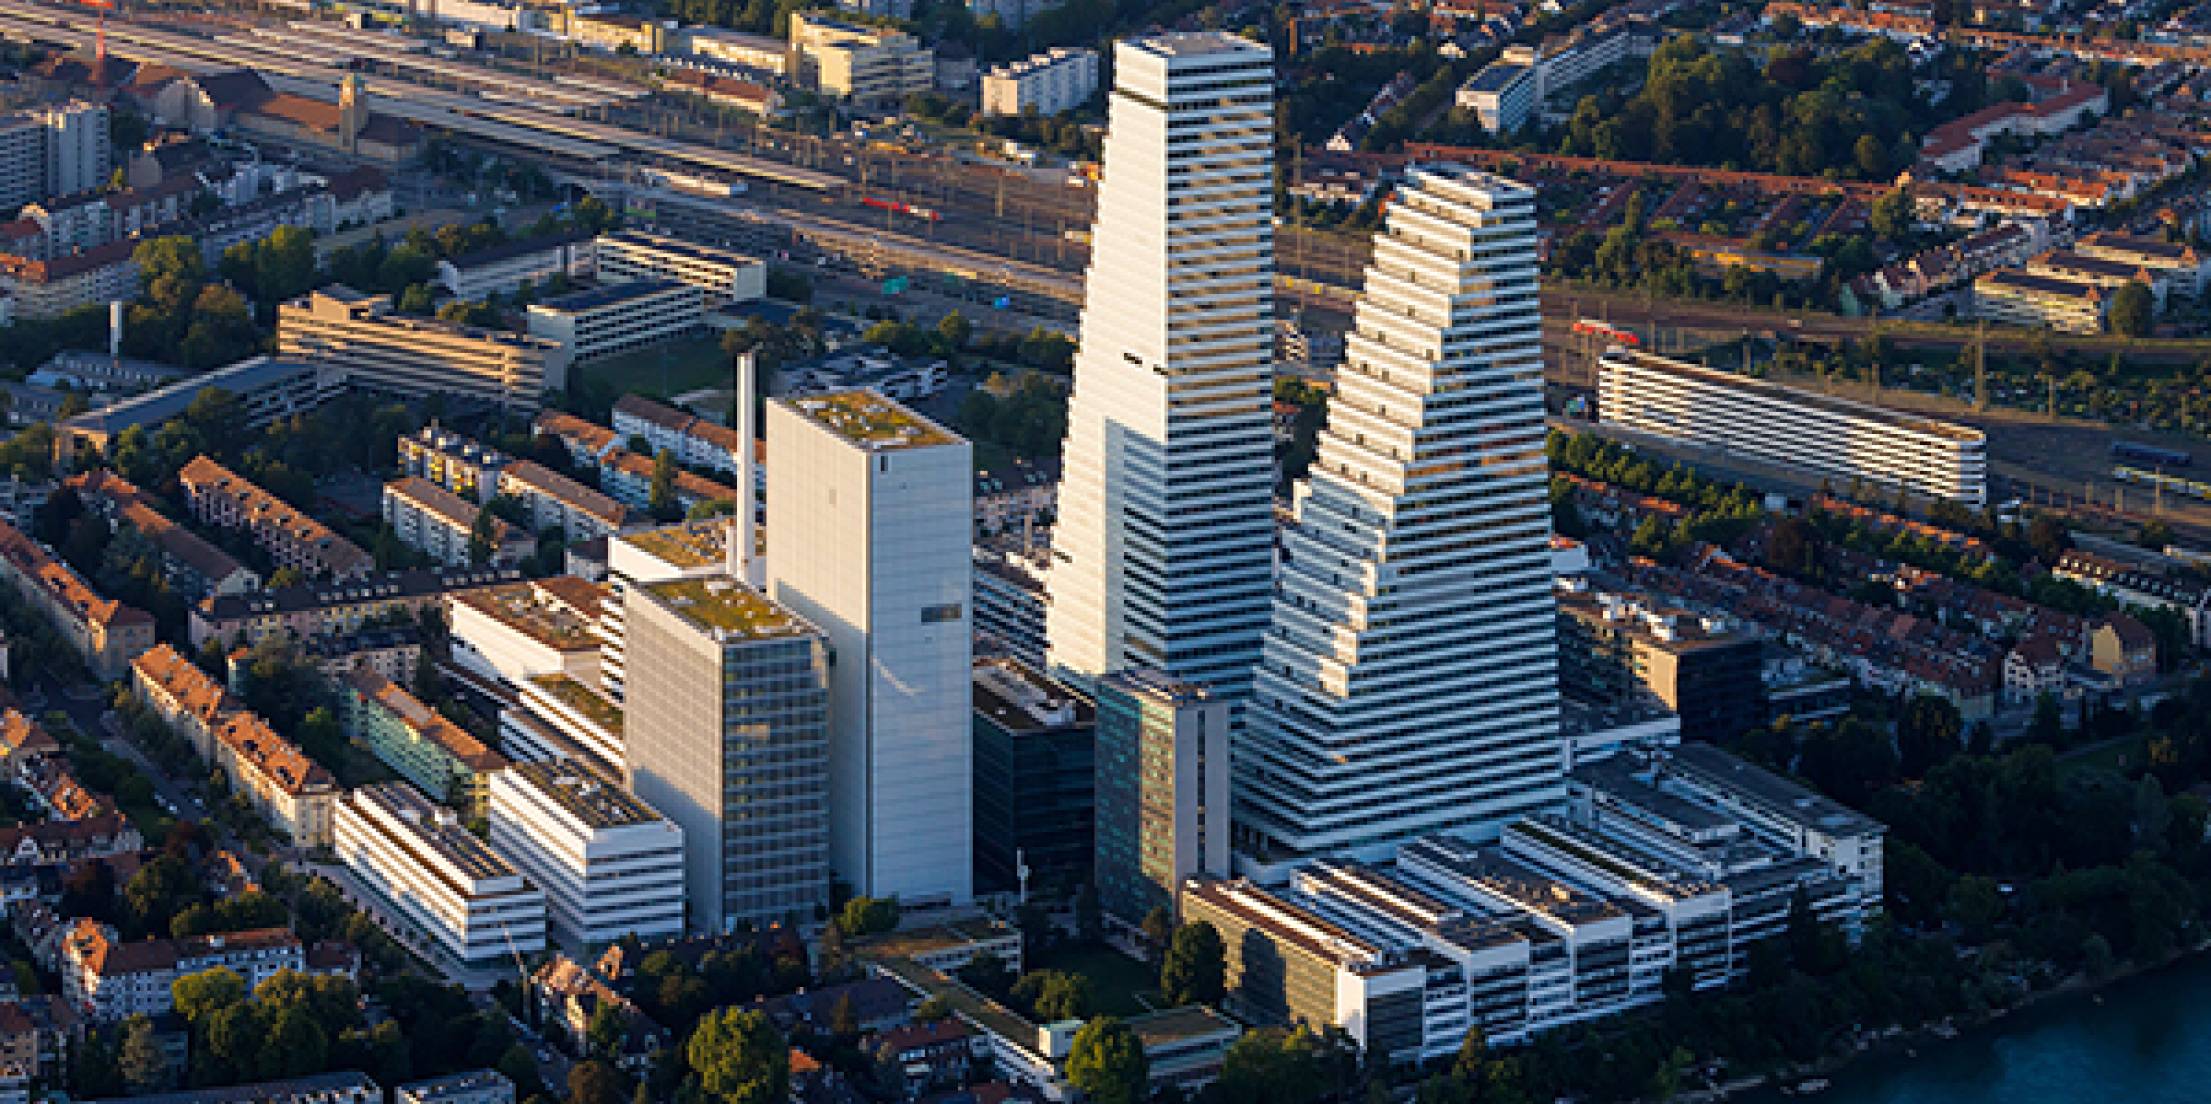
[(115, 330), (742, 563)]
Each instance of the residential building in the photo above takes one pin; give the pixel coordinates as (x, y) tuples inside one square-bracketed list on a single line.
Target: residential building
[(1409, 683), (765, 53), (1035, 780), (267, 389), (726, 733), (1015, 499), (2043, 302), (608, 864), (317, 611), (695, 441), (2035, 666), (1162, 790), (452, 462), (2185, 267), (321, 1088), (585, 441), (186, 698), (112, 980), (78, 155), (2099, 272), (502, 269), (292, 791), (1502, 95), (617, 318), (628, 478), (850, 61), (481, 1086), (422, 744), (1616, 649), (190, 565), (558, 502), (875, 551), (292, 538), (1060, 79), (42, 290), (725, 277), (443, 525), (1163, 551), (381, 351), (2124, 649), (616, 31), (105, 634), (1821, 434), (437, 878), (569, 998)]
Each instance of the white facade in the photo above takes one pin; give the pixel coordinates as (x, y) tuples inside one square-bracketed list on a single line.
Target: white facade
[(1502, 96), (1833, 437), (725, 276), (763, 52), (618, 318), (437, 876), (609, 865), (1410, 682), (79, 157), (873, 547), (1163, 555), (1060, 79)]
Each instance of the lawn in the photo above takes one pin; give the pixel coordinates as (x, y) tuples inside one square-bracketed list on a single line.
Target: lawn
[(663, 371), (2114, 756), (1125, 986)]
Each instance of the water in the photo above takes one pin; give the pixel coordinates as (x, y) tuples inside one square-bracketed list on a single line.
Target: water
[(2147, 1042)]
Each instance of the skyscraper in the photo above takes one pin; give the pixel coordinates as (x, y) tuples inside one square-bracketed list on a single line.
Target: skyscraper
[(1162, 556), (726, 733), (872, 518), (1409, 683)]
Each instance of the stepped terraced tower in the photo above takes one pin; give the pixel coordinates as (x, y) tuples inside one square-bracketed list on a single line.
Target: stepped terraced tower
[(1409, 682), (1162, 556)]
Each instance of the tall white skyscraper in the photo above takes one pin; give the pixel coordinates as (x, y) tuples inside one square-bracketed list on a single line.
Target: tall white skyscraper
[(872, 520), (1162, 556), (1409, 682)]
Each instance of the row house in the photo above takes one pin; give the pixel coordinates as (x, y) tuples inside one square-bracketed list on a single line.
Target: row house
[(695, 441), (68, 842), (293, 538)]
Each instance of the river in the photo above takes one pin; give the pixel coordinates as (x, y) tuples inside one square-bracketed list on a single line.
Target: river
[(2148, 1041)]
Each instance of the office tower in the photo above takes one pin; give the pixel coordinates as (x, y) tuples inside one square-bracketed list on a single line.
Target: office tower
[(873, 507), (1163, 790), (79, 153), (1163, 552), (726, 733), (1409, 684), (1035, 781)]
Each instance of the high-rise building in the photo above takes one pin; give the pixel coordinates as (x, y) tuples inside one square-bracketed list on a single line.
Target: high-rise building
[(1162, 556), (79, 154), (1410, 684), (1163, 790), (726, 732), (869, 539), (1035, 780), (609, 865)]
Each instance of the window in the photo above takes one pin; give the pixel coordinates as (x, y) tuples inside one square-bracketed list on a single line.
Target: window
[(937, 615)]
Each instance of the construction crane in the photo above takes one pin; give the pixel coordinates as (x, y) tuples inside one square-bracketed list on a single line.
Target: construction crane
[(99, 41)]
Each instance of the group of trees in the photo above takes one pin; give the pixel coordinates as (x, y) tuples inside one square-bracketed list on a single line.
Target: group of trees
[(181, 317), (1026, 417), (1717, 512)]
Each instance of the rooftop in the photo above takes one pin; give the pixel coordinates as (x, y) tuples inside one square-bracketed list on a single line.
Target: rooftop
[(1776, 794), (577, 696), (1796, 395), (536, 612), (726, 606), (693, 544), (584, 797), (607, 295), (434, 826), (871, 421)]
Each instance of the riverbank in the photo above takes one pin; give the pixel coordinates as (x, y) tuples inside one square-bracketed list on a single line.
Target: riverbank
[(1936, 1047)]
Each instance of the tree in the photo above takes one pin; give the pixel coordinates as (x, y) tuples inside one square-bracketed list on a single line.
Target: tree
[(2132, 310), (144, 1068), (1159, 928), (1273, 1066), (594, 1082), (739, 1058), (1975, 905), (1106, 1061), (483, 536), (1195, 970), (1929, 732), (607, 1032), (199, 996), (1894, 214), (868, 916), (661, 497)]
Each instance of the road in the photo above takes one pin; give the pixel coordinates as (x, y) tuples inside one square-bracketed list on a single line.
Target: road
[(88, 712)]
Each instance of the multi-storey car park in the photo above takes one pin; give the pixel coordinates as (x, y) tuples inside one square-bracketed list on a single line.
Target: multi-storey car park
[(1760, 420)]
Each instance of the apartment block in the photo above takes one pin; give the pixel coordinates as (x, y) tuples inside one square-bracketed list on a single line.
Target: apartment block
[(47, 289), (558, 502), (1503, 95), (866, 64), (112, 980), (609, 865), (2185, 267), (695, 441), (319, 611), (724, 276), (291, 537), (443, 525), (874, 549), (321, 1088), (437, 877), (618, 318), (1617, 650), (105, 634), (1035, 780), (186, 698), (472, 1087), (189, 564), (502, 269), (628, 478), (278, 779), (766, 53), (440, 757), (726, 733), (1057, 80), (1822, 434), (452, 462), (415, 357), (1162, 790), (585, 441), (2042, 302)]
